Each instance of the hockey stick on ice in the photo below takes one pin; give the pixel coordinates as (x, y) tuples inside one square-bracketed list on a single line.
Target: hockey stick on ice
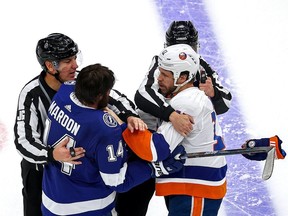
[(269, 163), (227, 152)]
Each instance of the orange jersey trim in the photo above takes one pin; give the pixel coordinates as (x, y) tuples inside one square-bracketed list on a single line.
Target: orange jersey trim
[(274, 142), (139, 142), (196, 190)]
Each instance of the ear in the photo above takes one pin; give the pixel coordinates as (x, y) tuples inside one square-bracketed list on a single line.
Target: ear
[(49, 65), (182, 78)]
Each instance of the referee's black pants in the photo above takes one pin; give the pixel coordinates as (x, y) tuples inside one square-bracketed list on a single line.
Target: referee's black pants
[(32, 188), (135, 201)]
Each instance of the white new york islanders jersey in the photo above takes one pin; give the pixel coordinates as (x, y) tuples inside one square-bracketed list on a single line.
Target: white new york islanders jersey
[(89, 188), (201, 177)]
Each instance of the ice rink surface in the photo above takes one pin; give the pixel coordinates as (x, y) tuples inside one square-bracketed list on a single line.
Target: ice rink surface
[(244, 41)]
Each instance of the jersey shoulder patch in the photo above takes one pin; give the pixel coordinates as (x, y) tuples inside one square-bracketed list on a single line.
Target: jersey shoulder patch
[(109, 120)]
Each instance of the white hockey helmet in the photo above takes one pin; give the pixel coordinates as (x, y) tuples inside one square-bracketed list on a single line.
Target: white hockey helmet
[(179, 58)]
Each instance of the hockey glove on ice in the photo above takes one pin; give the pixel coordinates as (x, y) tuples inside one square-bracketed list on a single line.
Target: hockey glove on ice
[(272, 141), (170, 165)]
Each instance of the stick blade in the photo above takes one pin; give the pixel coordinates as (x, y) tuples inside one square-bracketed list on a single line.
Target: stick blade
[(269, 165)]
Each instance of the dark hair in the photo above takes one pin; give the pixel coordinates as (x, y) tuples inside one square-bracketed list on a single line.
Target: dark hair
[(93, 81)]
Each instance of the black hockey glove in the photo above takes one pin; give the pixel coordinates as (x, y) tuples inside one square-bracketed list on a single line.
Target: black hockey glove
[(272, 141), (170, 165)]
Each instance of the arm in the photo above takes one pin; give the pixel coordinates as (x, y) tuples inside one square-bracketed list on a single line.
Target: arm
[(111, 157), (29, 131), (121, 105), (222, 96), (153, 146), (132, 122), (121, 175), (125, 110)]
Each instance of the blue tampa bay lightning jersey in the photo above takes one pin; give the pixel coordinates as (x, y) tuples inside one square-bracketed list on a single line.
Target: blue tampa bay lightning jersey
[(89, 188)]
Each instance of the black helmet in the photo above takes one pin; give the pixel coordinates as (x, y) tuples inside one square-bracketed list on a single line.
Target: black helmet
[(181, 32), (55, 47)]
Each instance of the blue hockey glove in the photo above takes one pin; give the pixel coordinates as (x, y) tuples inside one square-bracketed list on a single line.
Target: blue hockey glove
[(170, 165), (272, 141)]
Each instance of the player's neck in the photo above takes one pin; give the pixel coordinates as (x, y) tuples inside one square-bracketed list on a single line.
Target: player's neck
[(187, 85)]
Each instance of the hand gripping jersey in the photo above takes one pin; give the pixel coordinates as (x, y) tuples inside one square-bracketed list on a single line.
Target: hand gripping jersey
[(201, 177), (89, 188)]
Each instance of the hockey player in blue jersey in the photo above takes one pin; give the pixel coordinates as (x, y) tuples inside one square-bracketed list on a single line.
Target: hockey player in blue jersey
[(90, 188), (59, 57)]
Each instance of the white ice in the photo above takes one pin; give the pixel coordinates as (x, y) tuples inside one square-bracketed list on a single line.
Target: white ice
[(124, 35)]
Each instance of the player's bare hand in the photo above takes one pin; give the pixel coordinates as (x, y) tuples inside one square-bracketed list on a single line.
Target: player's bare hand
[(135, 123), (71, 155), (207, 87), (182, 123)]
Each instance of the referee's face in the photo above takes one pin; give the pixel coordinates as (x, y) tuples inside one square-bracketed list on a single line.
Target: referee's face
[(67, 68)]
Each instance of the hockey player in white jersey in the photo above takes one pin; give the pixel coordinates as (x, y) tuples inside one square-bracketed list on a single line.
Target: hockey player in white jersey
[(89, 189), (201, 185), (197, 189), (153, 109), (148, 98)]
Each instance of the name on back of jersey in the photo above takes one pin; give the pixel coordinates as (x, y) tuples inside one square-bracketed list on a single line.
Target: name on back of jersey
[(64, 120)]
